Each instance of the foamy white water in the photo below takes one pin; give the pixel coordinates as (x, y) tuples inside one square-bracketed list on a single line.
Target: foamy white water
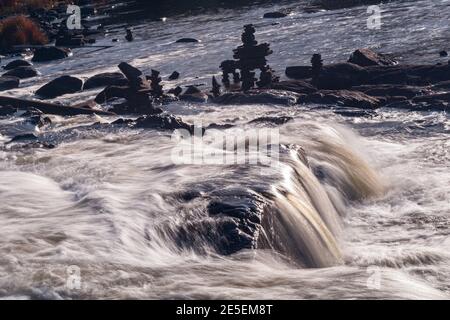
[(367, 218)]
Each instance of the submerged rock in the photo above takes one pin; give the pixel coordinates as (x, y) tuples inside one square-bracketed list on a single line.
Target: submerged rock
[(22, 72), (50, 53), (258, 97), (233, 223), (9, 82), (275, 15), (17, 63), (160, 121), (60, 86), (187, 40)]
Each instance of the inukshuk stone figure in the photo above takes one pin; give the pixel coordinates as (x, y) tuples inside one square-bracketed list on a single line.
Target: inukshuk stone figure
[(157, 88), (251, 56)]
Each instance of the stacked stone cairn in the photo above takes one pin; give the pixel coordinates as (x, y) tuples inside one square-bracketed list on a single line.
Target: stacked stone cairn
[(249, 57)]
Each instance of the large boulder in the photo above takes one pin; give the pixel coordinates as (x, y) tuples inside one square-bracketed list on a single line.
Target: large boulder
[(16, 63), (105, 79), (9, 82), (367, 57), (341, 76), (59, 87), (50, 53), (22, 72)]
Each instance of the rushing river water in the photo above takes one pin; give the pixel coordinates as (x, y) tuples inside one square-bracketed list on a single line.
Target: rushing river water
[(105, 202)]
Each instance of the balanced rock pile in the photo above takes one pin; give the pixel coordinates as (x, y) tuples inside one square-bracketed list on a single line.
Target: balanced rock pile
[(249, 57), (139, 93)]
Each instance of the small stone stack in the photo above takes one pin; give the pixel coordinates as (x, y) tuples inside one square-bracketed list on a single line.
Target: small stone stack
[(215, 87), (317, 64), (252, 56), (157, 88), (137, 93)]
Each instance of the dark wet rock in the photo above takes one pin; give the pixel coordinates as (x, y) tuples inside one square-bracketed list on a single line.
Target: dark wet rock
[(130, 72), (341, 76), (344, 98), (176, 91), (272, 120), (160, 121), (50, 53), (367, 57), (60, 86), (350, 112), (296, 86), (51, 108), (17, 63), (194, 94), (443, 53), (233, 223), (220, 126), (9, 82), (299, 72), (22, 72), (174, 76), (105, 79), (187, 40), (166, 122), (258, 97), (129, 36), (7, 110), (70, 40), (275, 15)]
